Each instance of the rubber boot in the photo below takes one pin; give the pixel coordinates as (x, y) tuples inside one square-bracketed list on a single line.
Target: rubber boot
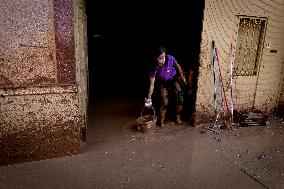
[(178, 115), (162, 117)]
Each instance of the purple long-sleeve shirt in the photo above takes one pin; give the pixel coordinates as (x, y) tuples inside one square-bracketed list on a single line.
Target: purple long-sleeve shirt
[(167, 71)]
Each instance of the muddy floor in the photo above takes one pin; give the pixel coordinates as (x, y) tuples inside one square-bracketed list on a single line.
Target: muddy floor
[(117, 156)]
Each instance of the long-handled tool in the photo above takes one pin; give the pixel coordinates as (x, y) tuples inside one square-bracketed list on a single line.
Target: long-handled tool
[(222, 92)]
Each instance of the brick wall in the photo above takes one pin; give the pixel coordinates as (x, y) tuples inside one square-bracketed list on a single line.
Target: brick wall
[(220, 23)]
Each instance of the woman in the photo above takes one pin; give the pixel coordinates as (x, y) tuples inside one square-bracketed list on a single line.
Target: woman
[(168, 75)]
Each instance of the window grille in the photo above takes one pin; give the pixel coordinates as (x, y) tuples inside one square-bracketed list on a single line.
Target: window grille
[(249, 46)]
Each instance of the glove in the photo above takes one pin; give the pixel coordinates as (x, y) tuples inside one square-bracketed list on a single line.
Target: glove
[(148, 102)]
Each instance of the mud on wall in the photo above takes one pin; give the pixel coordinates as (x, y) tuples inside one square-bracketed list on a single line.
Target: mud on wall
[(81, 56), (38, 123), (39, 102), (220, 23), (281, 100), (27, 54)]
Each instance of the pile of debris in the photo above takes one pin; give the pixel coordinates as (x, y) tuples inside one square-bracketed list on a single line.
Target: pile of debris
[(250, 119), (241, 119)]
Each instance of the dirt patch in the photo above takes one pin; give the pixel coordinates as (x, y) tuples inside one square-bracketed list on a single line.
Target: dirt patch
[(116, 155)]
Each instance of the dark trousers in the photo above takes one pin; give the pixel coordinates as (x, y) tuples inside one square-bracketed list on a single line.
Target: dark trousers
[(171, 89)]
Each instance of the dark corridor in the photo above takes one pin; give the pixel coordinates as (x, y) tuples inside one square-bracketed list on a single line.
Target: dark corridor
[(121, 36)]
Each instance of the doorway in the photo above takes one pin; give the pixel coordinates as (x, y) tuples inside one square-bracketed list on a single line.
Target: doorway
[(121, 37)]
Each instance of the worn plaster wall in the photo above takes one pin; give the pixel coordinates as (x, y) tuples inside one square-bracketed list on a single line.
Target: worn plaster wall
[(220, 23), (39, 101), (27, 55), (39, 123), (80, 31)]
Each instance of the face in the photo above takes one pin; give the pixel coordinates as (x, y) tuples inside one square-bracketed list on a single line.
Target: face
[(161, 59)]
